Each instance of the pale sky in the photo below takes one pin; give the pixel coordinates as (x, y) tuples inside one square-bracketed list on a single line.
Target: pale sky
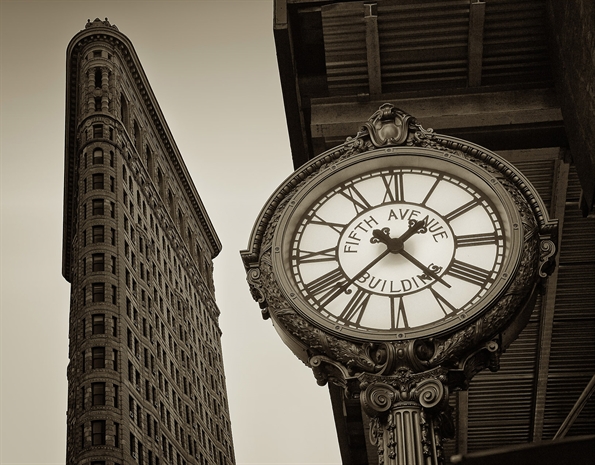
[(213, 69)]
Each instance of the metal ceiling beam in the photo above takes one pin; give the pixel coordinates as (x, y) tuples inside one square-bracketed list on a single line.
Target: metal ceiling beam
[(373, 49), (557, 210), (331, 117), (475, 51)]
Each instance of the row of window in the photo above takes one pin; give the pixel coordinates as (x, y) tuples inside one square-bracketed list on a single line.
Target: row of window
[(98, 395), (98, 208), (98, 293), (98, 235), (98, 359), (97, 181), (98, 262)]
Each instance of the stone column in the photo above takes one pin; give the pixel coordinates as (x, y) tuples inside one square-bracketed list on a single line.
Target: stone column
[(409, 416)]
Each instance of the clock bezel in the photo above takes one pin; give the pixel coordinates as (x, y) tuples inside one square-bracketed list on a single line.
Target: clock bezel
[(376, 160)]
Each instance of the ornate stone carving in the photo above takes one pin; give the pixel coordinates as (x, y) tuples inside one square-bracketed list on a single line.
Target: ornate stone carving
[(388, 126)]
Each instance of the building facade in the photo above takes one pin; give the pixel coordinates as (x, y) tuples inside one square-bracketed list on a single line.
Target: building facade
[(145, 380)]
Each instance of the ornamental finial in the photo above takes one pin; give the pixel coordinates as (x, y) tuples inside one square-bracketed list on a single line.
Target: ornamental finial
[(388, 126)]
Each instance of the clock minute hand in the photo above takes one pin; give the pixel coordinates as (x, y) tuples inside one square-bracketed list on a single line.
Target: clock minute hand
[(424, 268)]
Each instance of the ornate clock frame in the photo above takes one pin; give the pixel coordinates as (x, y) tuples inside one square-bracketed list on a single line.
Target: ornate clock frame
[(403, 384)]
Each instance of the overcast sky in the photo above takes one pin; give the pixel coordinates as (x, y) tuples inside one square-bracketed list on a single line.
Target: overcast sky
[(212, 67)]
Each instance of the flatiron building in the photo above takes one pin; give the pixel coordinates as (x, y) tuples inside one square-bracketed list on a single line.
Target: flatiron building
[(145, 379)]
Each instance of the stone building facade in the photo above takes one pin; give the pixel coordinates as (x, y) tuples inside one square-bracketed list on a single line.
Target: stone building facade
[(145, 380)]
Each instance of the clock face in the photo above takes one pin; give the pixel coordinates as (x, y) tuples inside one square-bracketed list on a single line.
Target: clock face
[(398, 246)]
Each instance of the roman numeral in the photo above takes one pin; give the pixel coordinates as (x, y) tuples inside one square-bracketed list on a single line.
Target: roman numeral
[(394, 188), (325, 255), (472, 240), (328, 286), (444, 304), (354, 311), (470, 273), (398, 316), (357, 199), (431, 191), (338, 227), (461, 210)]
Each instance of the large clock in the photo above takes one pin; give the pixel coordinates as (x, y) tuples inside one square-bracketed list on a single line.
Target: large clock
[(397, 243)]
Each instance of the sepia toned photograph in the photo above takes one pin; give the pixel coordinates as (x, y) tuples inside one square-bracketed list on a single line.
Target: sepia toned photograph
[(297, 232)]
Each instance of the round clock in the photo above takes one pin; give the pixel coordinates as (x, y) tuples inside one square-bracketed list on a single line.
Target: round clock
[(397, 243)]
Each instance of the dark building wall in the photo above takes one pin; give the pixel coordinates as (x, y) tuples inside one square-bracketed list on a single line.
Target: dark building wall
[(572, 37), (146, 379)]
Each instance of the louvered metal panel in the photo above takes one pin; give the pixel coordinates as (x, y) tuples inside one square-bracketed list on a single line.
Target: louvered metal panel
[(423, 45), (572, 358), (345, 48), (578, 245), (501, 403), (541, 175), (515, 43), (562, 394)]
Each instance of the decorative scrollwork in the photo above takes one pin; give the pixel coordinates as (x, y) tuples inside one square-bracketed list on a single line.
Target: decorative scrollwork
[(388, 126), (377, 398), (547, 261), (430, 393)]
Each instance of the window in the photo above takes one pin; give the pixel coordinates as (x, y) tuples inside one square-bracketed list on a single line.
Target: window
[(83, 398), (98, 156), (117, 435), (115, 360), (112, 184), (98, 181), (83, 360), (97, 234), (98, 290), (96, 53), (97, 75), (98, 207), (98, 324), (97, 106), (113, 264), (98, 393), (98, 357), (98, 432), (132, 445), (116, 396), (97, 130), (112, 209), (98, 260), (115, 326), (114, 295)]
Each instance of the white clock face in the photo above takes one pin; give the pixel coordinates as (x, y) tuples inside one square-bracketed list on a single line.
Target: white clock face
[(398, 251)]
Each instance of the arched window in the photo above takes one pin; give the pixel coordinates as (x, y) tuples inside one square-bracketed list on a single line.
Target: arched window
[(97, 156), (160, 183)]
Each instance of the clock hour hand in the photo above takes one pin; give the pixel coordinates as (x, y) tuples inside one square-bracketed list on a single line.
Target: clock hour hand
[(424, 268), (395, 245)]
